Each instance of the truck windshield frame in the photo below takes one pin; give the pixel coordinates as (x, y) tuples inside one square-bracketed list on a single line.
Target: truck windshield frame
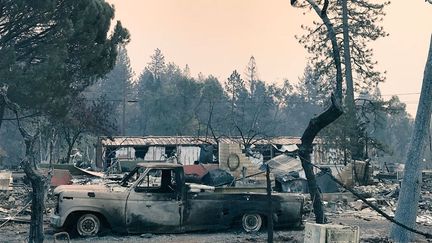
[(158, 180), (130, 178)]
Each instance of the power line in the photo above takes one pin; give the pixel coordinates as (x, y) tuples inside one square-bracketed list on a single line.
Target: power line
[(400, 94)]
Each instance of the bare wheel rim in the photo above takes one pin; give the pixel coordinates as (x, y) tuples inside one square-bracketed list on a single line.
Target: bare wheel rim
[(88, 225), (251, 222)]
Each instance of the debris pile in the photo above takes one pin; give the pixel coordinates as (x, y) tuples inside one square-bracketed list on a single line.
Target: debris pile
[(384, 196), (15, 204)]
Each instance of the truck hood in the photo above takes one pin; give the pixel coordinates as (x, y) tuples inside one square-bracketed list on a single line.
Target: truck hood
[(89, 188)]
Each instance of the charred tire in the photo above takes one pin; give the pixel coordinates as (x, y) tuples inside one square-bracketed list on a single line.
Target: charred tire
[(252, 222), (88, 225)]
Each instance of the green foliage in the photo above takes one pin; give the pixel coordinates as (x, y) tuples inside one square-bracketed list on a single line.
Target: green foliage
[(383, 128), (115, 86), (364, 18), (167, 99), (398, 126), (11, 144), (157, 64), (354, 26), (302, 102), (55, 50), (177, 104)]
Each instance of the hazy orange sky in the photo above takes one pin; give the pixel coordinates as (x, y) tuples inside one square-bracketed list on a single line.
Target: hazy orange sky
[(217, 36)]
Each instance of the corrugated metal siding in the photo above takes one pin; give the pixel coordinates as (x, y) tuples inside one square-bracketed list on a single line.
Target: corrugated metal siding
[(188, 140), (188, 154), (155, 153)]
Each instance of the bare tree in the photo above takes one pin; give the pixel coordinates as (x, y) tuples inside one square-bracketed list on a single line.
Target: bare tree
[(95, 118), (407, 207)]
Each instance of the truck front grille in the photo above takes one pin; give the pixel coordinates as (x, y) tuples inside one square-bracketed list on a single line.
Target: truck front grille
[(56, 211)]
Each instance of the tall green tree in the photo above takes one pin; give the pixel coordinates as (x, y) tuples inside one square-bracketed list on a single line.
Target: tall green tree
[(397, 129), (236, 89), (117, 88), (304, 101), (157, 64), (359, 24), (212, 113), (168, 99), (356, 23), (53, 50), (254, 106)]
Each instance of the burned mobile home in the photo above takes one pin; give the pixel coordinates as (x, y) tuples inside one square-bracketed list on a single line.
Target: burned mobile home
[(188, 150), (228, 154), (154, 197)]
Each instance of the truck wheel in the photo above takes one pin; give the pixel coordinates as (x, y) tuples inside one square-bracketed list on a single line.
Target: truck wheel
[(251, 222), (88, 225)]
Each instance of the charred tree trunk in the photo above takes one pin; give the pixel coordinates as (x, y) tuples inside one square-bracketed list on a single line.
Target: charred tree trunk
[(407, 206), (2, 110), (38, 185), (38, 199), (325, 118), (305, 150), (37, 182)]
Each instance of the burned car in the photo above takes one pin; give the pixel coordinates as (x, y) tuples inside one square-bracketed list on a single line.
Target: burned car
[(155, 198)]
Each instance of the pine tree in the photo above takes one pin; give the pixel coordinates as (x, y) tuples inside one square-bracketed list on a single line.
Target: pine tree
[(356, 23), (251, 74), (52, 50), (157, 65), (361, 27)]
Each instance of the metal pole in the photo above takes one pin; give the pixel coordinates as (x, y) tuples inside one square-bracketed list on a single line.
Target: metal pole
[(270, 206), (124, 109)]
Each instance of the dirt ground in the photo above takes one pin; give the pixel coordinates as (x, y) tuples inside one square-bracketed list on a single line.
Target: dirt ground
[(370, 231), (373, 228)]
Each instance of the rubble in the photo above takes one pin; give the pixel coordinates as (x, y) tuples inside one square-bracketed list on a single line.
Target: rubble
[(5, 180), (424, 219), (378, 189), (338, 205), (384, 196), (358, 205)]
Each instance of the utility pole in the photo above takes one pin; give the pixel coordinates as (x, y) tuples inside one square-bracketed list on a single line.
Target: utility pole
[(123, 132)]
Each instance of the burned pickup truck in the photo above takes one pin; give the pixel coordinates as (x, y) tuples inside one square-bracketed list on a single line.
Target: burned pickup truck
[(155, 198)]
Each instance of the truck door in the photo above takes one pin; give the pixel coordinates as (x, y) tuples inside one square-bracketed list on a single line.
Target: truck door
[(155, 204)]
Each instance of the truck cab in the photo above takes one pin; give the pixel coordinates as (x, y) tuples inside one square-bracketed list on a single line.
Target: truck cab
[(156, 198)]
